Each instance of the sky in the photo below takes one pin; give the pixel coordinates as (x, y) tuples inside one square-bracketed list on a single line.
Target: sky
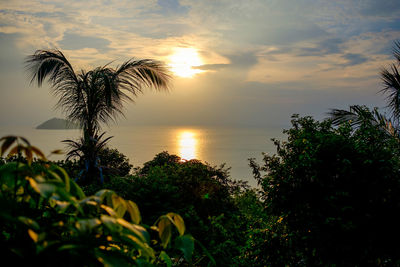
[(242, 62)]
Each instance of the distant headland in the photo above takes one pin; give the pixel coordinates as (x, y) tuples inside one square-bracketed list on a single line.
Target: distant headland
[(58, 124)]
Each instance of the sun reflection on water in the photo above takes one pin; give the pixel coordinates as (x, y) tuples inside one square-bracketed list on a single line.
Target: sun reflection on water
[(187, 143)]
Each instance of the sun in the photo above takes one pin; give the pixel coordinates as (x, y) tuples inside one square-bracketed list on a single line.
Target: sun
[(183, 62)]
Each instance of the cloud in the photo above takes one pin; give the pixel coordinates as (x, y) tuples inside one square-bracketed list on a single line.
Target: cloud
[(354, 59), (72, 41), (243, 59), (388, 9), (252, 50), (210, 66), (172, 7), (323, 47)]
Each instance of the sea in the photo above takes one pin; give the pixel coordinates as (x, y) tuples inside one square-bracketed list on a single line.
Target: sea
[(232, 146)]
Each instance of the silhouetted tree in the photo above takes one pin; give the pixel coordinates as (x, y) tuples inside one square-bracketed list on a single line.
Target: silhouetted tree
[(93, 97)]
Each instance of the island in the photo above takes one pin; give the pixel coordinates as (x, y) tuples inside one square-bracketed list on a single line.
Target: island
[(58, 124)]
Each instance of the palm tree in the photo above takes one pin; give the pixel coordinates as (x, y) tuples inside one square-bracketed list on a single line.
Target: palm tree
[(94, 97), (358, 115)]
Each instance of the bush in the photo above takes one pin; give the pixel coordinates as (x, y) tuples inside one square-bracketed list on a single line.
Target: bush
[(46, 219), (111, 161), (202, 194), (114, 163), (332, 195)]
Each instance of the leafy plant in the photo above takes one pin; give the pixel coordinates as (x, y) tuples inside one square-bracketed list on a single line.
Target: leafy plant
[(203, 195), (46, 219), (114, 163)]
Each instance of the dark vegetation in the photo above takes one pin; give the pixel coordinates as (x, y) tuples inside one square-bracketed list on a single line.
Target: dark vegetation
[(330, 196), (47, 219)]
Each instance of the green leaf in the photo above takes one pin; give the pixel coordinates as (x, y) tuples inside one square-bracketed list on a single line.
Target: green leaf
[(49, 189), (110, 223), (44, 189), (135, 229), (29, 222), (119, 205), (165, 258), (164, 230), (212, 261), (134, 235), (108, 259), (185, 243), (63, 175), (33, 235), (105, 196), (7, 174), (178, 222), (54, 175), (143, 263), (76, 191), (68, 247), (109, 210), (86, 225), (133, 211)]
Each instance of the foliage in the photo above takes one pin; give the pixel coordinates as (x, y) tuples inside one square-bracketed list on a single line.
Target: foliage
[(114, 163), (391, 84), (46, 219), (87, 150), (357, 114), (332, 196), (203, 195), (111, 161), (90, 98)]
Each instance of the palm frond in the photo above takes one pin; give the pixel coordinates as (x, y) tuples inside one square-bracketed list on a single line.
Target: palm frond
[(386, 123), (53, 65), (356, 115), (361, 115), (391, 87), (340, 116), (87, 147), (133, 74), (396, 51)]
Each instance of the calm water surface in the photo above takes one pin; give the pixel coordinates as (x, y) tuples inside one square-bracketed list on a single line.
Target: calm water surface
[(215, 145)]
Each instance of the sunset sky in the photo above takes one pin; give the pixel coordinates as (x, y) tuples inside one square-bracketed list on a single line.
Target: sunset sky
[(252, 62)]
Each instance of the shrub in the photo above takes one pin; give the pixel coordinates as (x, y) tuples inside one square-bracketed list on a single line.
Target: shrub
[(202, 194), (111, 161), (114, 163), (46, 219), (332, 195)]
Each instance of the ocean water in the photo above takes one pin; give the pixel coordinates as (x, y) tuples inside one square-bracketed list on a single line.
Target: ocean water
[(215, 145)]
